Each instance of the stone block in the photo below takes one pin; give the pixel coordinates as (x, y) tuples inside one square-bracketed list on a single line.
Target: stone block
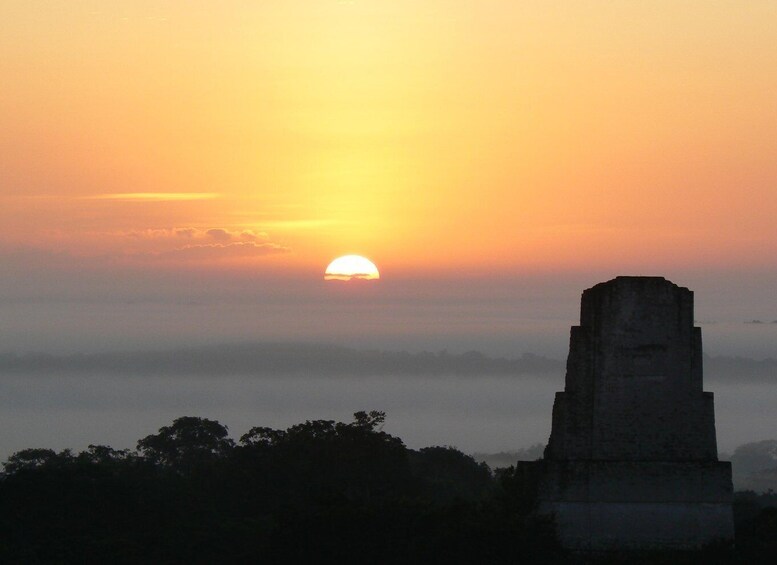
[(633, 433)]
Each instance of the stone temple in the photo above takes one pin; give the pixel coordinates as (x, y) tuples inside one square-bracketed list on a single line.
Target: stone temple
[(632, 459)]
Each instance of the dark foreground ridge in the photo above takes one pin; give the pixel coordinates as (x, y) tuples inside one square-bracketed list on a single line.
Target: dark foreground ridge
[(321, 491), (317, 492)]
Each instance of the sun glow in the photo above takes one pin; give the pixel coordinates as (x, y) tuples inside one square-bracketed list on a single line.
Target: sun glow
[(350, 267)]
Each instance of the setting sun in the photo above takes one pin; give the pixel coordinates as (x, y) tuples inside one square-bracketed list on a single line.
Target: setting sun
[(349, 267)]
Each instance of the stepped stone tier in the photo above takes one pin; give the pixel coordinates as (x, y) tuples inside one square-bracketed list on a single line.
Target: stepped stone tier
[(632, 458)]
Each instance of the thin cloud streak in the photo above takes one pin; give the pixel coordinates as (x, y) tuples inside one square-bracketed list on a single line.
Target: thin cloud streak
[(296, 224), (217, 251), (155, 196)]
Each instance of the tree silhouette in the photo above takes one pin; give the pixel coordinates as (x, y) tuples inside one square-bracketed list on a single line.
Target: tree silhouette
[(35, 458), (190, 441), (319, 491)]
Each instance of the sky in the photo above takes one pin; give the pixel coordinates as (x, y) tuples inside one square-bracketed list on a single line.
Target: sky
[(183, 171), (179, 174)]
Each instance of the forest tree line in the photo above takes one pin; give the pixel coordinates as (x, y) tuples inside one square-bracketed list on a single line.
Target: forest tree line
[(318, 491)]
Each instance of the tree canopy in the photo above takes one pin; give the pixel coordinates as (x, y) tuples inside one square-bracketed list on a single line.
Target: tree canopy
[(317, 491)]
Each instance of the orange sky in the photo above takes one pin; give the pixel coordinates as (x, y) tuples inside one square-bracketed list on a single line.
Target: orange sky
[(435, 135)]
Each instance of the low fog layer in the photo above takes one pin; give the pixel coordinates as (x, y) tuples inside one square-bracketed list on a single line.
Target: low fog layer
[(277, 359), (471, 401), (264, 359)]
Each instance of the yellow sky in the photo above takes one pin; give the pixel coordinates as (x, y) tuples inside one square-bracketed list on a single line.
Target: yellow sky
[(432, 135)]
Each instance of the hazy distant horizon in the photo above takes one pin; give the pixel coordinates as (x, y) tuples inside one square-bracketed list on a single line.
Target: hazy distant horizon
[(327, 359), (485, 404), (89, 312)]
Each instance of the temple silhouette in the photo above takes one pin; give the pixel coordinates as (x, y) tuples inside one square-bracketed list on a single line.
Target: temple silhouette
[(632, 458)]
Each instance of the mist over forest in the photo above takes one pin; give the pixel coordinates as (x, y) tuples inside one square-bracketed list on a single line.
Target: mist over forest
[(496, 407), (263, 359)]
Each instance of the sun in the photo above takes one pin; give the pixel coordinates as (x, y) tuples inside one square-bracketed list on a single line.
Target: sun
[(350, 267)]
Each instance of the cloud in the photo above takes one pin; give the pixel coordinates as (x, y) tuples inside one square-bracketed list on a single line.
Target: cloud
[(215, 251), (150, 234), (176, 245), (250, 235), (298, 224), (219, 234), (204, 235), (155, 196)]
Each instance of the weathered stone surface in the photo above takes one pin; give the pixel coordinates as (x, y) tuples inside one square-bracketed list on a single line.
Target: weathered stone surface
[(632, 457), (636, 481), (624, 526)]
